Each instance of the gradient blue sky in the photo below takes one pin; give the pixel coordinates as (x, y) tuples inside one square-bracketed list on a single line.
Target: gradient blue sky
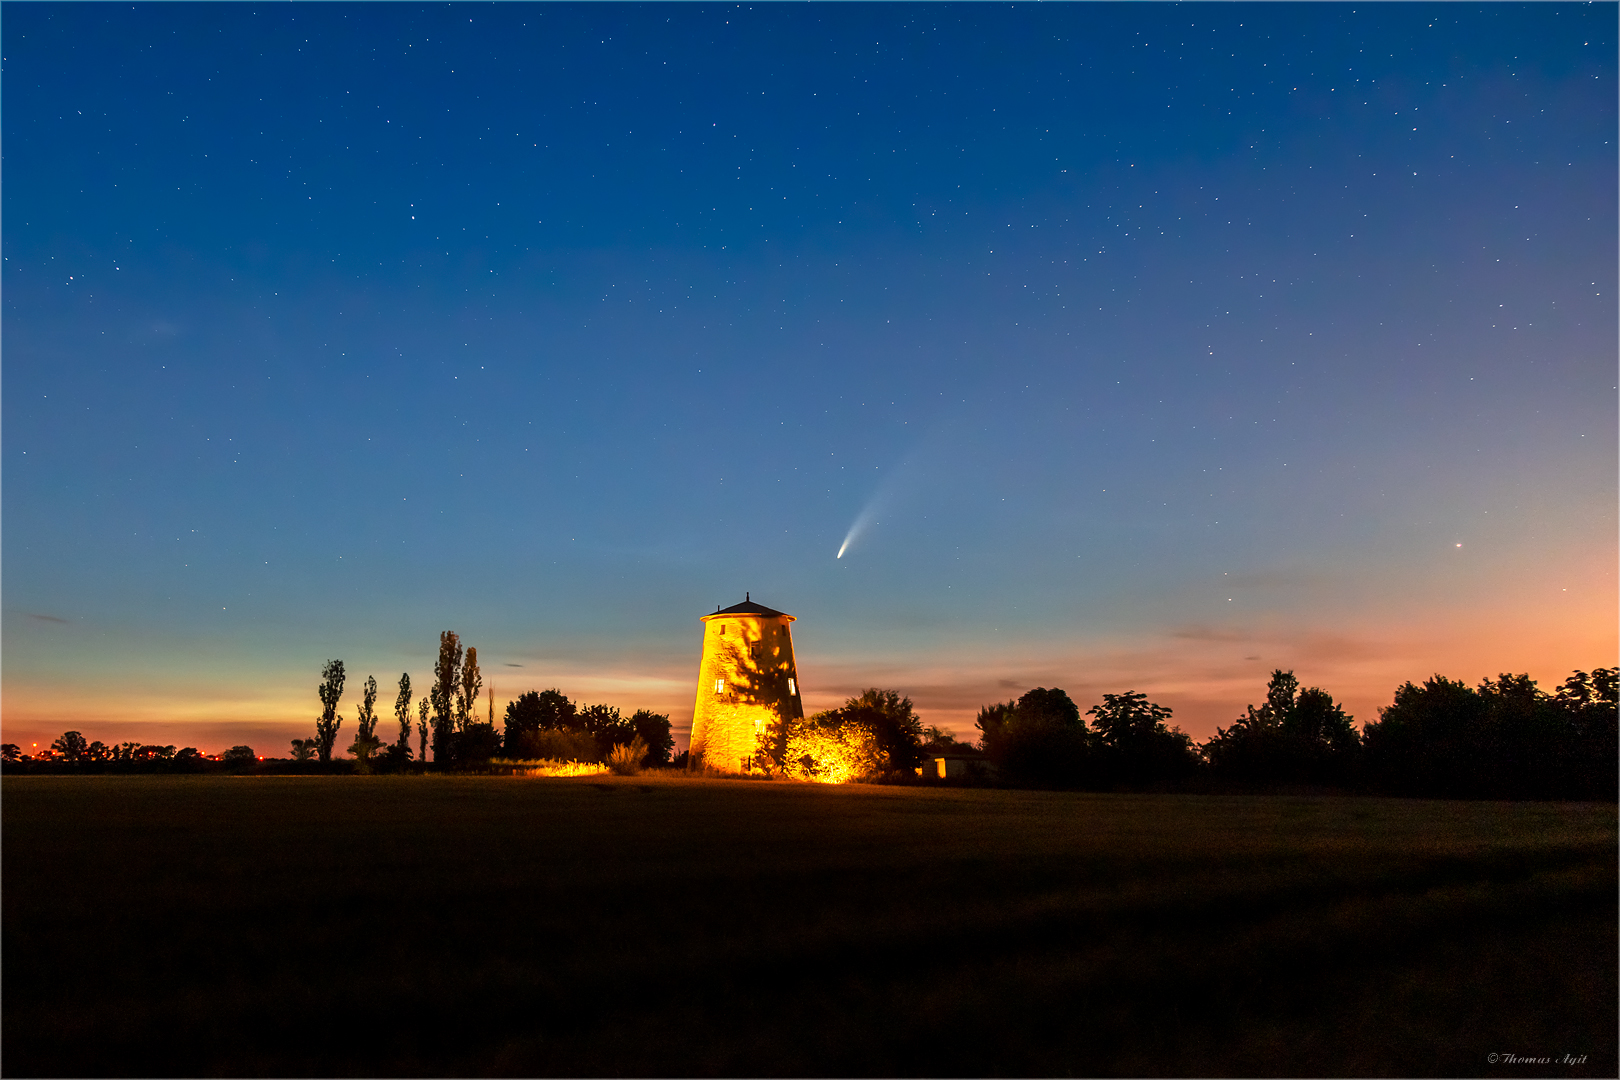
[(1154, 346)]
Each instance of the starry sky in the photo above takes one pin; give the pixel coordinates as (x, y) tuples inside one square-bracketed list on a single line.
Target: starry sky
[(1139, 347)]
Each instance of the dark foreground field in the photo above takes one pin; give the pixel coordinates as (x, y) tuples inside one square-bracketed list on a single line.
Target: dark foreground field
[(666, 926)]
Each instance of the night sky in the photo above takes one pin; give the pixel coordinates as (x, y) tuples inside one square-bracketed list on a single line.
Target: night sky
[(1137, 347)]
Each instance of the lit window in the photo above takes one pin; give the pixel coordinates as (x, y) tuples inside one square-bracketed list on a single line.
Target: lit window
[(719, 686), (791, 688)]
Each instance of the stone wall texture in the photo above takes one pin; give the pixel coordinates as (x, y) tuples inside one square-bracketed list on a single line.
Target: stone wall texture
[(746, 680)]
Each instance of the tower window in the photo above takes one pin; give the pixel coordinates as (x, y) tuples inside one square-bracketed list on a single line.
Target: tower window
[(719, 686), (792, 689)]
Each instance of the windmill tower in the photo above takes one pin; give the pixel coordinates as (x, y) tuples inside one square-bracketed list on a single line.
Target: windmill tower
[(746, 681)]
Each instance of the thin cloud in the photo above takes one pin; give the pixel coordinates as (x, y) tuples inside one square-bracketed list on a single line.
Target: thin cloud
[(47, 618), (1207, 633)]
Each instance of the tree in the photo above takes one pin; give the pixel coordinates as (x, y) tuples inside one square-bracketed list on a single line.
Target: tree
[(896, 727), (532, 713), (446, 679), (472, 680), (366, 742), (1430, 741), (1505, 739), (304, 749), (1040, 739), (422, 707), (1134, 745), (10, 752), (367, 717), (402, 713), (478, 743), (239, 757), (604, 724), (71, 745), (474, 740), (1601, 689), (653, 730), (873, 733), (993, 721), (1591, 705), (938, 740), (1296, 737), (330, 690)]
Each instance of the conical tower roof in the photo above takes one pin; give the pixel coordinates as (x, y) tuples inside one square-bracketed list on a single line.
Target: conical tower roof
[(748, 607)]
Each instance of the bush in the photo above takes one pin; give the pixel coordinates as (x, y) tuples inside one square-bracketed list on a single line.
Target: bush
[(833, 748), (625, 759)]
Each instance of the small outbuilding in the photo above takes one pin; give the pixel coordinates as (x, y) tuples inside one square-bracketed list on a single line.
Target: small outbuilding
[(952, 764)]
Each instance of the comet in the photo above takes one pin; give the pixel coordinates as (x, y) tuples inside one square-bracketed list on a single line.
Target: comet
[(892, 490), (867, 517)]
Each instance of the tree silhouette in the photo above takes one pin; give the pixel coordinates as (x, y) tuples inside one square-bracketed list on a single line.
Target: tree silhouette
[(993, 720), (1040, 739), (402, 713), (71, 745), (330, 690), (653, 730), (304, 750), (366, 742), (1134, 745), (1296, 737), (467, 689), (239, 757), (422, 725), (604, 724), (1505, 739), (446, 679), (896, 727), (532, 713)]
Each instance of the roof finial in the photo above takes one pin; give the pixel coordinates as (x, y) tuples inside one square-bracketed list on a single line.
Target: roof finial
[(746, 597)]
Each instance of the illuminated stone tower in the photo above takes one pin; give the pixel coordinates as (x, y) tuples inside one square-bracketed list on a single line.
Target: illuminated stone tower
[(746, 680)]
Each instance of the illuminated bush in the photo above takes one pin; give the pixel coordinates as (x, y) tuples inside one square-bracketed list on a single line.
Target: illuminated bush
[(625, 759), (832, 749)]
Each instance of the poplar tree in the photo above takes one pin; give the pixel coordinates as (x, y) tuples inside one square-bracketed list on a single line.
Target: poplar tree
[(402, 713), (330, 690), (368, 709), (472, 680), (446, 689), (422, 707), (366, 742)]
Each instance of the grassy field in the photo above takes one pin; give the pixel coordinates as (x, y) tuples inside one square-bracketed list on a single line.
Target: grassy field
[(672, 926)]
